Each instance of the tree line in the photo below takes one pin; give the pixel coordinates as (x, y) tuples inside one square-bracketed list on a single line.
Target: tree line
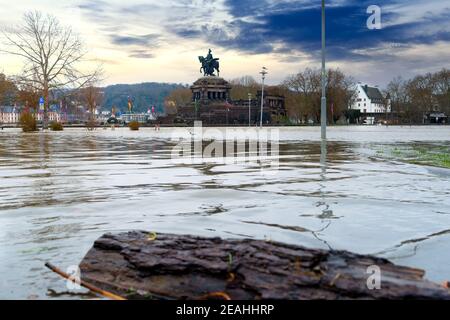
[(412, 99)]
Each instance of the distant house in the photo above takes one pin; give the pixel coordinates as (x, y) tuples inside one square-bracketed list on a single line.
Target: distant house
[(54, 114), (11, 114), (435, 117), (371, 103)]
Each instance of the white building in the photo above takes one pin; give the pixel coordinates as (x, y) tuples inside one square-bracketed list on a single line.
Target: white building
[(9, 115), (52, 116), (370, 102)]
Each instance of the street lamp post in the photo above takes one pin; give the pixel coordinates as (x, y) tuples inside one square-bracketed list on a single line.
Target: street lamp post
[(249, 106), (263, 75), (323, 107)]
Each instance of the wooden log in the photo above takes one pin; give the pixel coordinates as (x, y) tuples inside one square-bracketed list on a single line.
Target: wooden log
[(139, 265)]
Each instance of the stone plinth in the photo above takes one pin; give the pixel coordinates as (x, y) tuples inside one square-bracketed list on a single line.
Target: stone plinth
[(210, 89)]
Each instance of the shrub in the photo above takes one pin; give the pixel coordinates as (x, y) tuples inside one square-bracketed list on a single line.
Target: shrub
[(91, 124), (134, 125), (56, 126), (27, 122)]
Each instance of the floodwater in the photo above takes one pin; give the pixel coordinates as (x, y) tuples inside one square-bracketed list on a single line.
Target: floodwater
[(59, 191)]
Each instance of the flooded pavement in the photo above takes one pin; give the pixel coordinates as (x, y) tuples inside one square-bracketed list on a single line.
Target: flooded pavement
[(59, 191)]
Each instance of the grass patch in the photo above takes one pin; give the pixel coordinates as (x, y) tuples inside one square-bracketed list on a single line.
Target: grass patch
[(431, 155)]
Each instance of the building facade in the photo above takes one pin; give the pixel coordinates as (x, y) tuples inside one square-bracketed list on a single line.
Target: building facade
[(371, 103), (9, 115)]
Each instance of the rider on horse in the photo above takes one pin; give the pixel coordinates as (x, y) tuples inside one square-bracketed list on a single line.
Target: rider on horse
[(209, 64)]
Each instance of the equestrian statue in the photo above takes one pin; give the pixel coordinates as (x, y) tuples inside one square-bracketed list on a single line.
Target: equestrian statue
[(209, 64)]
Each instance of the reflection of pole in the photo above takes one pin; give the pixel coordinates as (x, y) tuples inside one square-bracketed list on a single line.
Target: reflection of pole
[(323, 157), (263, 75), (323, 107), (249, 106)]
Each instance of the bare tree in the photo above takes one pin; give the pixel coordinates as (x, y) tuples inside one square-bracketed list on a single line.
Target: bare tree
[(52, 54), (92, 96), (441, 83), (8, 90), (301, 84), (306, 85), (396, 89), (421, 96), (341, 92), (246, 81), (241, 87), (28, 96)]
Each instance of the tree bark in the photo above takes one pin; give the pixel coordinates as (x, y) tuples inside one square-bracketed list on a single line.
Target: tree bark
[(138, 265), (46, 105)]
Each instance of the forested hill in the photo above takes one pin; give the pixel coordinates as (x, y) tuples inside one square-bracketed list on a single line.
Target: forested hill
[(144, 95)]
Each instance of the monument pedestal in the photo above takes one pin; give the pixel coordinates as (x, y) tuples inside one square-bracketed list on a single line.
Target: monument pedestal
[(210, 89)]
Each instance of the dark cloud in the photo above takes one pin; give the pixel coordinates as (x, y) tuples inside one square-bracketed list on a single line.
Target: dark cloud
[(94, 5), (282, 27), (141, 54), (263, 27), (185, 33), (148, 40)]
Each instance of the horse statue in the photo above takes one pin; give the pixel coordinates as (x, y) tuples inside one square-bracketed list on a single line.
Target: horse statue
[(209, 64)]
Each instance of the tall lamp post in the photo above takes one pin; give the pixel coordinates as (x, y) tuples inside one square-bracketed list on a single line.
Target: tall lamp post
[(263, 75), (249, 106), (323, 107)]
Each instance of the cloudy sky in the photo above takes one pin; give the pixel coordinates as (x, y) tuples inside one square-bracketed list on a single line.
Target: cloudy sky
[(159, 40)]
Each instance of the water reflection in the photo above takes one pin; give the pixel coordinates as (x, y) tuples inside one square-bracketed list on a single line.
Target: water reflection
[(60, 191), (323, 157)]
